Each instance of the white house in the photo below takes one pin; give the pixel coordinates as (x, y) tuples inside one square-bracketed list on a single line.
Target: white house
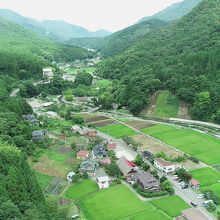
[(69, 176), (103, 182), (165, 166), (48, 72)]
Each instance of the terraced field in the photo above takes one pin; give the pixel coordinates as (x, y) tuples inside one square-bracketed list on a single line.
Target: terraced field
[(204, 147)]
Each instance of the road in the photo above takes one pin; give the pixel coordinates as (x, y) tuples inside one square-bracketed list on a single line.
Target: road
[(188, 195), (14, 93)]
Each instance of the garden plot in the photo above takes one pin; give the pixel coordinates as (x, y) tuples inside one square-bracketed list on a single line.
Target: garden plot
[(96, 118), (43, 179), (104, 123), (148, 144), (65, 150), (55, 187), (64, 201), (139, 124)]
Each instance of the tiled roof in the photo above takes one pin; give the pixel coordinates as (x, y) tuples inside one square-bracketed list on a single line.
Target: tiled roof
[(82, 153), (194, 182), (163, 162), (111, 146)]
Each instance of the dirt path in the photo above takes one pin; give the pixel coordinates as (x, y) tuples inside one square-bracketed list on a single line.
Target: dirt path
[(183, 111), (152, 106)]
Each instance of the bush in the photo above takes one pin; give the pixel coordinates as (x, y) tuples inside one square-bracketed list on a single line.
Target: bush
[(162, 179)]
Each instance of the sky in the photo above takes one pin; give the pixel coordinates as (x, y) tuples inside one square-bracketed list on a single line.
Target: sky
[(111, 15)]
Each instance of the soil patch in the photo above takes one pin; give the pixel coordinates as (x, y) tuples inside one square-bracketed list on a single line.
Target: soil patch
[(61, 136), (184, 110), (139, 124), (153, 146), (104, 123), (96, 118), (65, 150), (64, 201), (71, 161)]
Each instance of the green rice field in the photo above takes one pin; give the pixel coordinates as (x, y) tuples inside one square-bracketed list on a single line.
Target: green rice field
[(204, 147)]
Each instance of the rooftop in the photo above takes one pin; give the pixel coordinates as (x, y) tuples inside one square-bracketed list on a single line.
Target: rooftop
[(194, 182), (105, 161), (99, 150), (103, 179), (82, 153), (163, 162), (111, 146), (124, 166)]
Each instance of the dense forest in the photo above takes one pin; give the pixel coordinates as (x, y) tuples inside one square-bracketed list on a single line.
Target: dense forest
[(183, 58)]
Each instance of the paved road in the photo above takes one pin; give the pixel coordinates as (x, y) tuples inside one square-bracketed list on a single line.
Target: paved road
[(15, 92)]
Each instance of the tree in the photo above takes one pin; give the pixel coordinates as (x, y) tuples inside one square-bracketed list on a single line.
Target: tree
[(166, 185), (75, 178), (8, 210), (113, 170), (145, 166), (183, 174), (162, 179), (138, 160)]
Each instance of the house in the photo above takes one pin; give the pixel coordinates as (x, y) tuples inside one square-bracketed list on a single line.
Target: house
[(82, 99), (163, 165), (105, 162), (76, 128), (32, 119), (69, 176), (89, 167), (125, 166), (38, 134), (99, 151), (192, 214), (47, 104), (51, 114), (103, 182), (146, 180), (82, 155), (48, 72), (148, 155), (111, 146), (91, 132), (194, 184)]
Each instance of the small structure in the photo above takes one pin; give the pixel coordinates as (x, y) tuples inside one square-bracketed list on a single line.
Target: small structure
[(82, 155), (91, 132), (32, 119), (47, 104), (111, 146), (51, 114), (194, 184), (125, 166), (105, 162), (48, 72), (193, 214), (69, 176), (99, 152), (165, 166), (82, 99), (146, 180), (89, 167), (148, 155), (103, 182), (38, 134), (76, 128)]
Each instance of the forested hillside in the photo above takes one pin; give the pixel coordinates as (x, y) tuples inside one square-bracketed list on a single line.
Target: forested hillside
[(174, 12), (24, 53), (52, 29), (183, 57)]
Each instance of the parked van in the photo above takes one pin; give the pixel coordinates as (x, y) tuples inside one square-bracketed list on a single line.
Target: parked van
[(206, 203), (200, 196), (193, 204)]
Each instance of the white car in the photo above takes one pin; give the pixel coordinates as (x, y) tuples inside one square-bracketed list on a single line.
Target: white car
[(200, 196)]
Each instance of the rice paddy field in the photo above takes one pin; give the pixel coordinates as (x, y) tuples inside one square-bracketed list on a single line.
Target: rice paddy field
[(117, 130), (204, 147), (208, 179)]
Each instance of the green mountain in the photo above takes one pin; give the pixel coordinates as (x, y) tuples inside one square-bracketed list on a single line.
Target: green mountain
[(175, 11), (22, 49), (183, 58), (56, 30), (120, 40)]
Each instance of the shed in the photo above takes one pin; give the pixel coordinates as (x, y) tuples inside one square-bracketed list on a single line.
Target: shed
[(82, 155), (105, 162), (38, 134), (103, 182), (69, 176), (194, 184)]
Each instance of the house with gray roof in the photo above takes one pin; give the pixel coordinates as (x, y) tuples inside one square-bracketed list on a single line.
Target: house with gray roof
[(99, 152), (125, 166), (89, 167), (32, 119), (146, 180), (38, 134)]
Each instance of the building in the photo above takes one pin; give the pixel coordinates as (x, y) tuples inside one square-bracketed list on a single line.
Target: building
[(148, 155), (82, 99), (125, 166), (48, 72), (38, 134), (32, 119), (146, 180), (69, 176), (51, 114), (76, 128), (89, 167), (47, 104), (99, 152), (82, 155), (103, 182), (105, 162), (192, 214), (91, 132), (163, 165), (194, 184), (111, 146)]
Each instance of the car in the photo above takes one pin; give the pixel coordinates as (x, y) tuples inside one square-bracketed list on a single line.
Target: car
[(200, 196), (206, 203), (185, 186), (193, 204), (179, 181)]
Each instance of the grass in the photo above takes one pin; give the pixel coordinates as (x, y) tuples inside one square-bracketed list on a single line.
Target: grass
[(113, 203), (81, 189), (204, 147), (172, 205), (151, 215), (167, 105), (59, 158), (117, 130), (43, 179)]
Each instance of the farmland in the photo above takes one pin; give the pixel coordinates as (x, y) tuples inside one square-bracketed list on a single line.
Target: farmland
[(172, 210), (150, 215), (43, 179), (117, 130), (167, 105), (81, 189), (210, 183), (202, 146)]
